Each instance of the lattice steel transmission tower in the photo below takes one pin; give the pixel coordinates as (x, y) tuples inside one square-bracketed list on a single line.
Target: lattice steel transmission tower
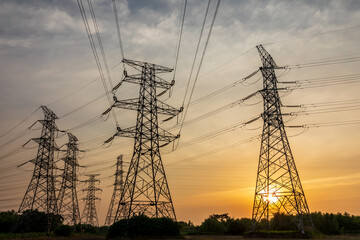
[(278, 187), (89, 213), (40, 193), (118, 189), (67, 199), (146, 190)]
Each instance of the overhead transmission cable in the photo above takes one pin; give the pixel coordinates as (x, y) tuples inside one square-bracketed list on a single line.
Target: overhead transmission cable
[(324, 62), (199, 67), (118, 30), (196, 53), (326, 124), (213, 151), (17, 125), (178, 44), (80, 88), (231, 85), (93, 47), (323, 81), (217, 110), (314, 34)]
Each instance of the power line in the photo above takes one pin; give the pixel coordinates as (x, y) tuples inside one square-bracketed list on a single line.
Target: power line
[(93, 47), (196, 52), (315, 34), (326, 124), (179, 38), (200, 64), (205, 154), (118, 29), (17, 125), (324, 63)]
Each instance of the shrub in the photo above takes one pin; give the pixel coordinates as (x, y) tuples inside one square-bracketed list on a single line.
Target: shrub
[(238, 226), (8, 221), (213, 225), (87, 228), (325, 223), (36, 221), (282, 221), (63, 230), (143, 226)]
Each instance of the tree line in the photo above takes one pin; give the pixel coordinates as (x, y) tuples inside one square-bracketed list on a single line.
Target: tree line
[(35, 221)]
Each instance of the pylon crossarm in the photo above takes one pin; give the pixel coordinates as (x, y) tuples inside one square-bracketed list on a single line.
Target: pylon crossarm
[(139, 65), (166, 109), (44, 142), (48, 123), (158, 82)]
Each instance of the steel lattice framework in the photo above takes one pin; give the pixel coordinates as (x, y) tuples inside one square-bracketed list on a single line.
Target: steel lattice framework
[(67, 198), (40, 193), (146, 190), (278, 187), (89, 213), (118, 189)]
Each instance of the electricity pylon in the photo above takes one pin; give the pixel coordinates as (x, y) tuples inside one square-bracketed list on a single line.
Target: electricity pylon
[(40, 193), (89, 213), (146, 190), (118, 189), (67, 199), (278, 187)]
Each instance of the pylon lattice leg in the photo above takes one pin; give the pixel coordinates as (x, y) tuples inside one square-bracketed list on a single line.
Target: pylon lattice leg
[(118, 189), (67, 198), (89, 213)]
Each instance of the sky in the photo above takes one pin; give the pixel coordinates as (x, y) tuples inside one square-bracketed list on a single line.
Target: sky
[(46, 59)]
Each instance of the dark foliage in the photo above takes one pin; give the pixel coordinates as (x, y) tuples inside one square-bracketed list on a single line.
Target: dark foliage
[(8, 221), (348, 223), (238, 226), (223, 224), (326, 223), (213, 225), (103, 229), (28, 221), (143, 226), (86, 228), (282, 221), (187, 228), (63, 230), (35, 221)]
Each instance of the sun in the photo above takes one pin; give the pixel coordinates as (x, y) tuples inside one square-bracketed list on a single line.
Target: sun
[(270, 196)]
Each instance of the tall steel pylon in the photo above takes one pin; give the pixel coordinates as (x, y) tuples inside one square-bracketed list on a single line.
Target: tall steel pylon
[(67, 198), (278, 187), (146, 189), (118, 189), (89, 213), (40, 193)]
